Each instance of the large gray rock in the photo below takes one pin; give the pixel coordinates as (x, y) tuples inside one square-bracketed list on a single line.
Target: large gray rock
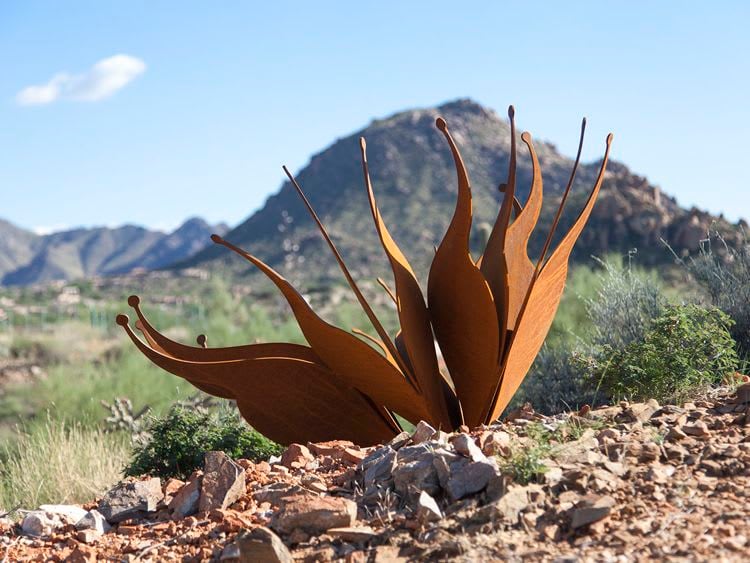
[(39, 523), (48, 517), (131, 499), (415, 471), (223, 482), (378, 466), (471, 478)]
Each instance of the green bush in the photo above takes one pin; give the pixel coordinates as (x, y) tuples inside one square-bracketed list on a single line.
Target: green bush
[(686, 348), (177, 442), (601, 310), (726, 278)]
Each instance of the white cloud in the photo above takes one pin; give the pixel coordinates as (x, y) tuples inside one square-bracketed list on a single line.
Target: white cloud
[(101, 81)]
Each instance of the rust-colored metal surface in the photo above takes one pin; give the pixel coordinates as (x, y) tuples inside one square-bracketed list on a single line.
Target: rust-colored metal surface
[(488, 318)]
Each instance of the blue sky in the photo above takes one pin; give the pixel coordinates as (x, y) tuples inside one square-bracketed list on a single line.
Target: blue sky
[(150, 112)]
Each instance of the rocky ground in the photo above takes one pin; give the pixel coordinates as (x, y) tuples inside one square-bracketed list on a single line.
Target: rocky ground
[(628, 482)]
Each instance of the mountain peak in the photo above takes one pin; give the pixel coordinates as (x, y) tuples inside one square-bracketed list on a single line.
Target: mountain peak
[(414, 180)]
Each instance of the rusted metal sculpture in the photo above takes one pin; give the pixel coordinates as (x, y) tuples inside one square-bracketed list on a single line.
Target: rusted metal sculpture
[(489, 318)]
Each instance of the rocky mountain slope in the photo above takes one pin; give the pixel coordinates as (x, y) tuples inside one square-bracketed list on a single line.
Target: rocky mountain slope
[(631, 482), (415, 184), (26, 258)]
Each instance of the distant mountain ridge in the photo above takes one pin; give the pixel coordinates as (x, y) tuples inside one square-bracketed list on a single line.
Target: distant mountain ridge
[(415, 185), (27, 258)]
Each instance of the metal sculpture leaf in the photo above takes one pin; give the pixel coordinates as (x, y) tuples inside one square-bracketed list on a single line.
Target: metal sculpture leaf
[(488, 318)]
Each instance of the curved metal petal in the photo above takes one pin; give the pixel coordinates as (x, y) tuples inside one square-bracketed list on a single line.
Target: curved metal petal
[(162, 343), (417, 342), (461, 306), (519, 266), (492, 263), (541, 305), (309, 402), (344, 354)]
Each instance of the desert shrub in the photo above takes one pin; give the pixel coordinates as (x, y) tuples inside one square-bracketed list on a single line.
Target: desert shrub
[(726, 279), (686, 348), (626, 304), (619, 305), (55, 462), (177, 442)]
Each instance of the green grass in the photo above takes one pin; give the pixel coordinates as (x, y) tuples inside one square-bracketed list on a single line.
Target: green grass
[(74, 392), (53, 462)]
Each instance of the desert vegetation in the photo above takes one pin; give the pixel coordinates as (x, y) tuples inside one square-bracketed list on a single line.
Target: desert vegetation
[(93, 406)]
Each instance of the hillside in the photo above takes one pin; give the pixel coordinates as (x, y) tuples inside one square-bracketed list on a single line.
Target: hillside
[(26, 258), (415, 184)]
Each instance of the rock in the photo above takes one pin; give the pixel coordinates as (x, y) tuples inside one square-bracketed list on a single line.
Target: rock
[(314, 483), (465, 445), (650, 451), (38, 523), (69, 514), (674, 434), (553, 475), (643, 411), (277, 493), (378, 466), (231, 552), (415, 471), (591, 508), (659, 473), (296, 456), (428, 509), (511, 504), (49, 517), (88, 536), (586, 448), (261, 545), (422, 432), (697, 428), (743, 393), (399, 441), (353, 455), (314, 515), (131, 499), (93, 520), (185, 502), (495, 442), (223, 482), (354, 534), (470, 479), (82, 554), (170, 489), (333, 448)]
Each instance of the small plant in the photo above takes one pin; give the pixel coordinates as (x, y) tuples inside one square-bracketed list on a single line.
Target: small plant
[(177, 442), (687, 347)]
